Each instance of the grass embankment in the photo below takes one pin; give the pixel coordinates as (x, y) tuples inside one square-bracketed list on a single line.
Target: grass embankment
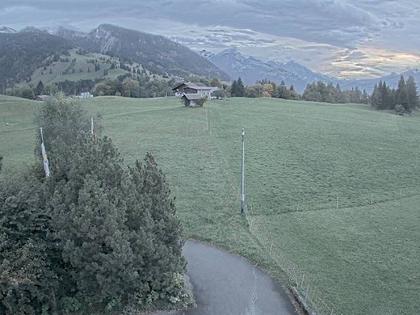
[(332, 189)]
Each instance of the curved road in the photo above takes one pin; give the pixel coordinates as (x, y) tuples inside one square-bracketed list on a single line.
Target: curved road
[(225, 284)]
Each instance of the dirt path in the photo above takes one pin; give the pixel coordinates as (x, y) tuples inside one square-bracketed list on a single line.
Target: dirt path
[(225, 284)]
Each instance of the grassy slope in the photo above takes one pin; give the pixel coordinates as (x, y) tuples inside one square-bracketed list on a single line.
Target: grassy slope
[(83, 70), (331, 188)]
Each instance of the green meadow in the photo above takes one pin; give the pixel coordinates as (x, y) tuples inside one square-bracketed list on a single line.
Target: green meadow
[(332, 190), (75, 67)]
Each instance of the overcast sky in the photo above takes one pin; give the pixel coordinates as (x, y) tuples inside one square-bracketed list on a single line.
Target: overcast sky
[(347, 38)]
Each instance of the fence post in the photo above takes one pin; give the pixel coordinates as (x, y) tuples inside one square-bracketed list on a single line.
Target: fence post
[(243, 206)]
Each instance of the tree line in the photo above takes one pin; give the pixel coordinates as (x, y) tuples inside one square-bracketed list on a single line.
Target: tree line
[(263, 88), (128, 85), (328, 93), (402, 99), (316, 92), (138, 85)]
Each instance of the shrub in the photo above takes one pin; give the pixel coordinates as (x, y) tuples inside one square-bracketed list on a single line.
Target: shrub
[(28, 279), (400, 109)]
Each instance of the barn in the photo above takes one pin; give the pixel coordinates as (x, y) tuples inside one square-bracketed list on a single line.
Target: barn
[(193, 100)]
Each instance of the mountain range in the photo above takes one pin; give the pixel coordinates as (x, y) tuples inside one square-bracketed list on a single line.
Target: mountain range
[(390, 79), (251, 69), (5, 29), (155, 53), (25, 52)]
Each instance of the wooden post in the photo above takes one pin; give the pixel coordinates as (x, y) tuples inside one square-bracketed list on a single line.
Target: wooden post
[(243, 206)]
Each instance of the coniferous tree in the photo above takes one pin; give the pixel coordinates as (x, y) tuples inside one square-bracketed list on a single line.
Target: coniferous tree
[(405, 97), (28, 278), (385, 98), (402, 94), (113, 262), (234, 89), (382, 97), (312, 93), (240, 88), (95, 234), (39, 90), (413, 99), (365, 97), (375, 99)]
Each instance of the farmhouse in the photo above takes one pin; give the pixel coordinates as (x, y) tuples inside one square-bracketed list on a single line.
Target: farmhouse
[(192, 88)]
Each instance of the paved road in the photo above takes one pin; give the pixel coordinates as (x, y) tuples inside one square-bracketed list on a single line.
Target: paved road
[(225, 284)]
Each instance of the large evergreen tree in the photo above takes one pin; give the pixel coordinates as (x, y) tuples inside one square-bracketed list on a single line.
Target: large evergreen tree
[(240, 88), (92, 236), (413, 99), (383, 97), (402, 94), (234, 88), (39, 90), (403, 99)]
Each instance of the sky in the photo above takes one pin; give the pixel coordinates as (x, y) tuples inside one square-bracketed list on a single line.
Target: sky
[(343, 38)]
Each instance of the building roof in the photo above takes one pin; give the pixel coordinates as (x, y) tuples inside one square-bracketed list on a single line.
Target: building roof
[(42, 97), (194, 86), (192, 97)]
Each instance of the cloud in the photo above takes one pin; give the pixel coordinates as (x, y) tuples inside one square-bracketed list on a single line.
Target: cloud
[(337, 36), (330, 21)]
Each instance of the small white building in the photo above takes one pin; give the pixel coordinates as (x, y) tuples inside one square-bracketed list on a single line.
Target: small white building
[(84, 95)]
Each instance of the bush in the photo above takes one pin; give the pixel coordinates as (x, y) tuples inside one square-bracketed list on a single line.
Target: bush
[(28, 284), (219, 94), (28, 279), (400, 109), (24, 92)]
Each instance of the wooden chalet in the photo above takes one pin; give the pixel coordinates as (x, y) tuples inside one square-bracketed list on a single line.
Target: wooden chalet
[(187, 88)]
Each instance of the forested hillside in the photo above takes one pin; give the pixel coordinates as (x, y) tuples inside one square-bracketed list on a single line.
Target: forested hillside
[(156, 53), (73, 61), (22, 53)]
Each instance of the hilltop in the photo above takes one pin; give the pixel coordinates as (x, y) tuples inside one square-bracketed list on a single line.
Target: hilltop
[(156, 53), (23, 52)]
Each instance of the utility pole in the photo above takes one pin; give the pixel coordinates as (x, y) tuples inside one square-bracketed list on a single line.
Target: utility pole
[(92, 130), (243, 206), (44, 155)]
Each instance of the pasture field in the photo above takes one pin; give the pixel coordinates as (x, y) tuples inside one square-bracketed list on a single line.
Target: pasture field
[(333, 190), (75, 67)]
